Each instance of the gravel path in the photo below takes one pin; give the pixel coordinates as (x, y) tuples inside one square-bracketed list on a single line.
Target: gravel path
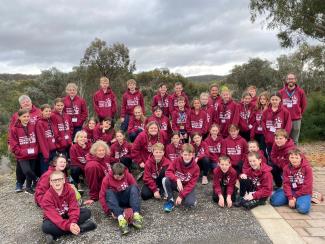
[(21, 221)]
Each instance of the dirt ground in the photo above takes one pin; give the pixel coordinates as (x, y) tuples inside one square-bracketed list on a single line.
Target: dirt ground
[(315, 152)]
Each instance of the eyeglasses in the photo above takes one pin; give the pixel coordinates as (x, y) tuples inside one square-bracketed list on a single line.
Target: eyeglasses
[(57, 180)]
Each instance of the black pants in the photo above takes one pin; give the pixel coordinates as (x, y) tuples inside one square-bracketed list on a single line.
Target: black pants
[(146, 193), (49, 227), (20, 177), (239, 167), (261, 142), (206, 164), (76, 172), (127, 162), (134, 135), (277, 175), (246, 186), (215, 197), (268, 150), (28, 169), (246, 135)]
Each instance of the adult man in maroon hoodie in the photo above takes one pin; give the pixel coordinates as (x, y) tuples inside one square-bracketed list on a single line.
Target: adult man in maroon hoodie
[(294, 98)]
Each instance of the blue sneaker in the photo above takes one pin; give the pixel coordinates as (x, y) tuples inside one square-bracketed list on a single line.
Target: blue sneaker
[(19, 187), (168, 206)]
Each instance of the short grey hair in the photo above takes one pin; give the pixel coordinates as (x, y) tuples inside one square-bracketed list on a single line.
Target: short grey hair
[(23, 98)]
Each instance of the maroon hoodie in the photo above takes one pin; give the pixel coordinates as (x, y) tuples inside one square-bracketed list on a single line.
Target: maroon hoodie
[(172, 152), (246, 165), (214, 102), (162, 102), (173, 99), (110, 183), (271, 121), (23, 141), (152, 170), (129, 101), (78, 155), (163, 123), (235, 149), (295, 101), (107, 136), (227, 179), (254, 101), (120, 151), (95, 170), (198, 122), (55, 207), (142, 146), (298, 181), (43, 184), (280, 155), (226, 114), (181, 120), (90, 134), (135, 124), (201, 150), (245, 114), (105, 103), (187, 173), (63, 128), (76, 108), (46, 136), (34, 114), (214, 147), (256, 122), (262, 180)]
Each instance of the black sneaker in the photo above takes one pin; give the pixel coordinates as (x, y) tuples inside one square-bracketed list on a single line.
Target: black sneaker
[(29, 191), (49, 239), (19, 187), (88, 225)]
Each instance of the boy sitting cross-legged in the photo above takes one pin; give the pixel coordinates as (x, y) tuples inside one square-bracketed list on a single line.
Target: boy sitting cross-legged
[(181, 175), (119, 191), (62, 214)]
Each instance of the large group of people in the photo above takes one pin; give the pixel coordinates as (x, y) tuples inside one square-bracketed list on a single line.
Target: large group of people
[(249, 148)]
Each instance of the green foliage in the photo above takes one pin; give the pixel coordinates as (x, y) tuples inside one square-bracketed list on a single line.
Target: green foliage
[(295, 20), (206, 78), (313, 122)]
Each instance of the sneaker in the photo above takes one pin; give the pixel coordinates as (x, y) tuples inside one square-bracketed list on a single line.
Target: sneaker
[(137, 221), (238, 201), (205, 180), (80, 189), (123, 225), (19, 187), (34, 183), (168, 206), (49, 239), (29, 191), (88, 225)]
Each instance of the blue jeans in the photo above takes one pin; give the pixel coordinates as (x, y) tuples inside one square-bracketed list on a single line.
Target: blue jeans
[(303, 203)]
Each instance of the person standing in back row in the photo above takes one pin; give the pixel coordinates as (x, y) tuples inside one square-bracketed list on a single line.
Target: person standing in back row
[(294, 99)]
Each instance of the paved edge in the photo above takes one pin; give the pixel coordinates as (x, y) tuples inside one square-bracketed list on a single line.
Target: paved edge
[(277, 228)]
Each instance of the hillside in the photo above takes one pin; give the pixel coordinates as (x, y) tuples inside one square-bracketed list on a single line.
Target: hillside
[(205, 78)]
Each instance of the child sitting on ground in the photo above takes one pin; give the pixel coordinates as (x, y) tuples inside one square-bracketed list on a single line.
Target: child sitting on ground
[(173, 150), (119, 191), (224, 180), (181, 175), (62, 214), (253, 147), (297, 184)]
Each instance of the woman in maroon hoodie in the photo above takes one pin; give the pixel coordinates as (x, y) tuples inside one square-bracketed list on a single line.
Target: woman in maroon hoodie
[(197, 119), (214, 142), (173, 150), (162, 121), (273, 118), (245, 114), (161, 99), (131, 98), (59, 163), (89, 127), (98, 165), (78, 152), (256, 184), (137, 123), (297, 184), (227, 112), (142, 146), (105, 131), (24, 145), (104, 100), (75, 107), (46, 137), (235, 147), (121, 150), (257, 132), (62, 126), (202, 157), (62, 214)]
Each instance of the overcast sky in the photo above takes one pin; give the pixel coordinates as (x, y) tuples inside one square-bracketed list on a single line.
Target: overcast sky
[(189, 37)]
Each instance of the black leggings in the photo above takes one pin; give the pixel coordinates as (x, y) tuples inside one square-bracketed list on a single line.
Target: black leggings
[(205, 165), (246, 185), (215, 197), (49, 227), (76, 172), (28, 169), (146, 193)]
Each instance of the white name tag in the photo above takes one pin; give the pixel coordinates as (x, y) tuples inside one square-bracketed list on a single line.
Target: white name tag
[(272, 129), (289, 105), (260, 128), (74, 120), (66, 137), (30, 151), (294, 185), (250, 127), (53, 140), (223, 121)]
